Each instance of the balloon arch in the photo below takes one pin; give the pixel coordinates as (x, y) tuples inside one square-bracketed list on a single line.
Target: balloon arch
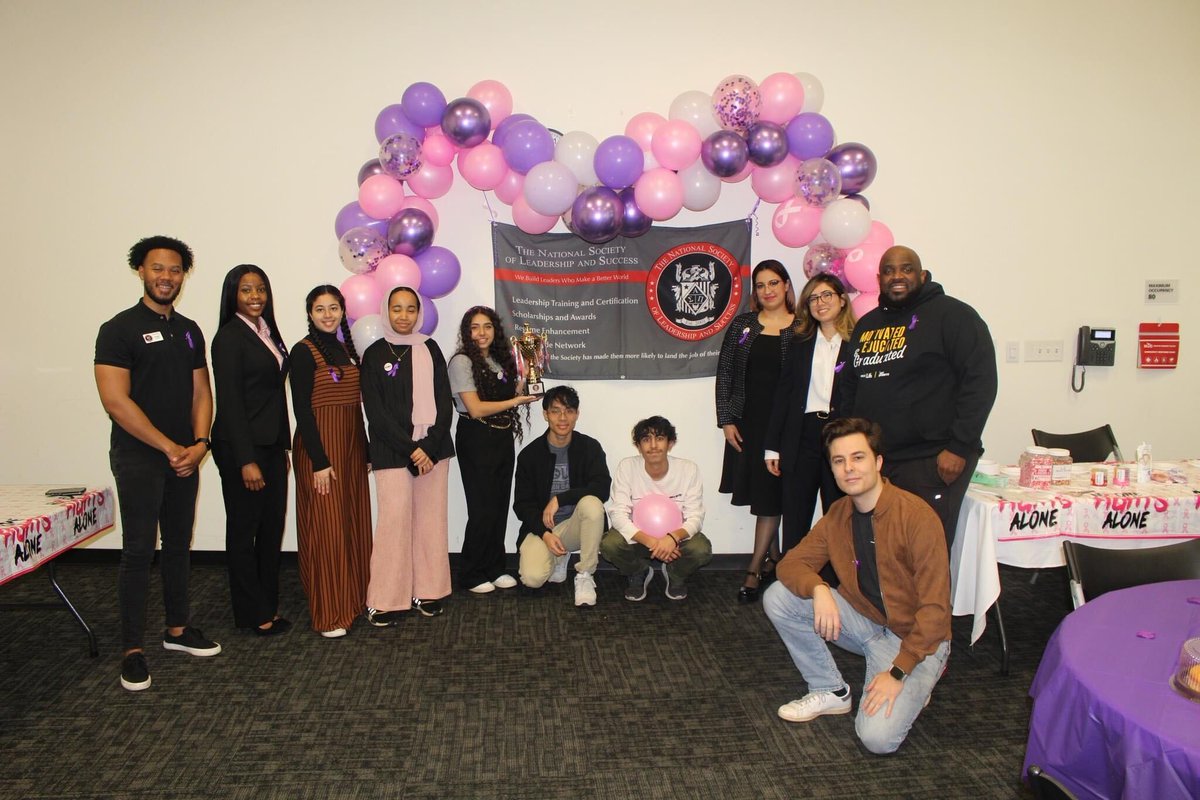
[(771, 132)]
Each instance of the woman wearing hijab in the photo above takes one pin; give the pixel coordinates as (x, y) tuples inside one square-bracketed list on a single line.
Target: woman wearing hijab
[(406, 394), (250, 443), (333, 502)]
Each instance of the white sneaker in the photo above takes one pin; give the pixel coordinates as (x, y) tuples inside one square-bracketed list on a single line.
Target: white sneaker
[(505, 582), (484, 588), (336, 633), (585, 589), (815, 704), (560, 568)]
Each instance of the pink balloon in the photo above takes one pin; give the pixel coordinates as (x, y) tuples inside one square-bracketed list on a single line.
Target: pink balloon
[(496, 98), (776, 184), (511, 187), (782, 97), (431, 182), (424, 205), (880, 235), (676, 144), (380, 196), (863, 303), (862, 266), (659, 193), (743, 173), (362, 294), (642, 127), (395, 270), (529, 220), (437, 149), (482, 166), (657, 515), (796, 223)]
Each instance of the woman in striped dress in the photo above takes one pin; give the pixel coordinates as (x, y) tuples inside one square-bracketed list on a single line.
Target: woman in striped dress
[(333, 504)]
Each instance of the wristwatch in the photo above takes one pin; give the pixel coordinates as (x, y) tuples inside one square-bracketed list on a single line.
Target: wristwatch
[(207, 442), (897, 673)]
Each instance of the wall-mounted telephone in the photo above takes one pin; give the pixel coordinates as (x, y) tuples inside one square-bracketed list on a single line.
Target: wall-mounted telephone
[(1097, 347)]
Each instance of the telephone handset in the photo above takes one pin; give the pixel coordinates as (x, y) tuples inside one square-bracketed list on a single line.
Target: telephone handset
[(1097, 347)]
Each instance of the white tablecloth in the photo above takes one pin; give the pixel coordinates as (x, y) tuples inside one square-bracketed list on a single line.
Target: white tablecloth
[(1026, 528), (35, 528)]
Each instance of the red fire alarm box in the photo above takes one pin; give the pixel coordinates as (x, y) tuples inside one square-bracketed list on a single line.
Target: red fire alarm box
[(1158, 345)]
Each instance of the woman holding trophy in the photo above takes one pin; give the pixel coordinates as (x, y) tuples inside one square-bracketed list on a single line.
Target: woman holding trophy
[(484, 380)]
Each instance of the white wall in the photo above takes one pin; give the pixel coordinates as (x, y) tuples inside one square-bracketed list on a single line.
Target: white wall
[(1039, 156)]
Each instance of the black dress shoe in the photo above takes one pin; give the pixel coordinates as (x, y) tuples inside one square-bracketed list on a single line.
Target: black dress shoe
[(748, 594), (279, 626)]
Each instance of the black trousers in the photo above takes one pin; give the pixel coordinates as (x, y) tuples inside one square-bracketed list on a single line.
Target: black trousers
[(920, 476), (152, 498), (803, 480), (485, 461), (253, 532)]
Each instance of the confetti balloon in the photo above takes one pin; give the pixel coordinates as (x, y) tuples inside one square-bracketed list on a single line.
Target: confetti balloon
[(737, 102), (824, 258), (818, 182), (361, 249), (400, 155)]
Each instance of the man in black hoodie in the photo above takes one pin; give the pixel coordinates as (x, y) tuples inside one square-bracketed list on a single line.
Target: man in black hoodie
[(924, 367)]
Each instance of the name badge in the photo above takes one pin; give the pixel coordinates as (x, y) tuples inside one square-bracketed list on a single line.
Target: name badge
[(155, 336)]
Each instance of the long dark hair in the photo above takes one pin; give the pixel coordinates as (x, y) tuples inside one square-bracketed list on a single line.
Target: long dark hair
[(789, 297), (489, 386), (319, 341), (229, 292)]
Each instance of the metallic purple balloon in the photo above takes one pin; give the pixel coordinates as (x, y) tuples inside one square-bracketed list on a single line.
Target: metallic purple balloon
[(724, 154), (372, 167), (618, 161), (527, 144), (857, 165), (400, 155), (501, 132), (424, 104), (466, 122), (597, 214), (858, 198), (635, 222), (392, 120), (766, 144), (809, 135), (409, 232)]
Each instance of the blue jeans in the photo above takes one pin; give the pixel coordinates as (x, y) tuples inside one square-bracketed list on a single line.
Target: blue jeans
[(792, 617)]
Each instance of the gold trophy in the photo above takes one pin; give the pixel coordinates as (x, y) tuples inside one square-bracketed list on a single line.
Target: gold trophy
[(530, 350)]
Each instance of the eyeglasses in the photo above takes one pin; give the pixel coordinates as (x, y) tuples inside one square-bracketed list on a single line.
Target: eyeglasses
[(758, 287), (821, 297)]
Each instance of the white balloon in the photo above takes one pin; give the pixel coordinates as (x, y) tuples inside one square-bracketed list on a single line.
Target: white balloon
[(650, 161), (845, 223), (814, 93), (577, 151), (550, 188), (700, 187), (695, 108), (365, 331)]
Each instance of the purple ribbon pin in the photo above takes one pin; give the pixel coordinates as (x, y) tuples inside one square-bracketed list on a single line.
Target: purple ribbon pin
[(745, 335), (839, 366), (188, 338), (391, 368), (333, 374), (913, 325)]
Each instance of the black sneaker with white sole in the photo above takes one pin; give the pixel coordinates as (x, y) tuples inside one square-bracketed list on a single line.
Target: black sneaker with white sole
[(191, 641), (135, 675), (635, 591), (428, 608), (676, 590), (384, 619)]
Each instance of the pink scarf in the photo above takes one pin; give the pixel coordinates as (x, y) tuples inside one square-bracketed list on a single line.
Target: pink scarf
[(424, 405)]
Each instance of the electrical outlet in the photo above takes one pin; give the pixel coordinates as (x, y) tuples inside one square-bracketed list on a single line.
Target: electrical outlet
[(1012, 352), (1044, 350)]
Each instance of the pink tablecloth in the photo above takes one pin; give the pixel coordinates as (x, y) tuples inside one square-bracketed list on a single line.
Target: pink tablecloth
[(35, 528)]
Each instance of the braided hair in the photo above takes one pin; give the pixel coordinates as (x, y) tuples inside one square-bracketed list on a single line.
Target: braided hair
[(489, 386), (319, 341)]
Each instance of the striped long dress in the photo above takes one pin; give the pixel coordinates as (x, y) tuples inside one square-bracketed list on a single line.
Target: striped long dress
[(334, 531)]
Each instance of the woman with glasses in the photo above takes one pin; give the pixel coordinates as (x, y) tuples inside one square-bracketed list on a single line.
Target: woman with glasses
[(756, 346), (803, 403)]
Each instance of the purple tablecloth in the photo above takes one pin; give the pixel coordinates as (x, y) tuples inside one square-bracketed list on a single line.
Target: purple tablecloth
[(1105, 720)]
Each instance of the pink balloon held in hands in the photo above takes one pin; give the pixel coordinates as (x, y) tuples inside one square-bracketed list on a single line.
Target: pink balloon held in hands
[(657, 515)]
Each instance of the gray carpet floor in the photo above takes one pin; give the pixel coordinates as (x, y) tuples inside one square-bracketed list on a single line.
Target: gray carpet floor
[(503, 696)]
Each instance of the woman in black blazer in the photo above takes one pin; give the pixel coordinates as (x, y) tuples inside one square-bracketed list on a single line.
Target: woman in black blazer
[(250, 444), (803, 403)]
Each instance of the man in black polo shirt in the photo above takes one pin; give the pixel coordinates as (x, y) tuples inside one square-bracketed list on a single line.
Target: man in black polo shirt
[(153, 382)]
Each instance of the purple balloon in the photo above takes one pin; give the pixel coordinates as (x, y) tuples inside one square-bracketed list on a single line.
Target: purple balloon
[(409, 232), (858, 198), (724, 154), (597, 214), (351, 216), (423, 103), (857, 165), (440, 271), (618, 162), (501, 132), (635, 222), (372, 167), (766, 144), (400, 155), (809, 135), (466, 122), (392, 120), (429, 320), (526, 145)]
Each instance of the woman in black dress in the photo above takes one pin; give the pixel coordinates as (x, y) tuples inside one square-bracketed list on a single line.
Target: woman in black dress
[(756, 344)]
